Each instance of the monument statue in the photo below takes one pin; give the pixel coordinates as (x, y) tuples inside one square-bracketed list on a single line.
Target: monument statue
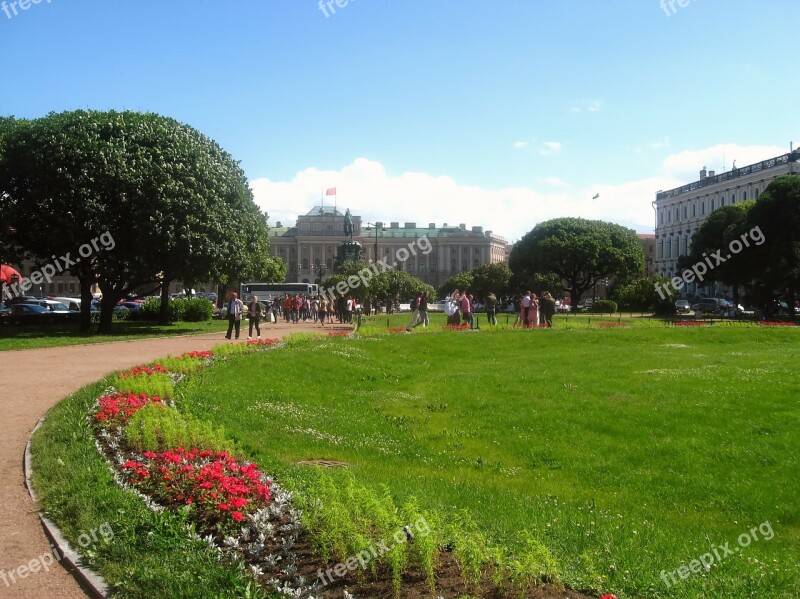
[(348, 225)]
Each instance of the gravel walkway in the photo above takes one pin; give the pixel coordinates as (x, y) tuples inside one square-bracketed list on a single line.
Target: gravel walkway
[(34, 381)]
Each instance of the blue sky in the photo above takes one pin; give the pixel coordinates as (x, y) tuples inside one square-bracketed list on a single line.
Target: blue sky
[(493, 113)]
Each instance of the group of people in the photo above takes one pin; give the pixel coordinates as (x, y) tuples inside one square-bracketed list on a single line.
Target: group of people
[(293, 308), (534, 311)]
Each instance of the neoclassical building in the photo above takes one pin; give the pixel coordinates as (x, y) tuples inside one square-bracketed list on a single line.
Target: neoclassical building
[(309, 248), (681, 211)]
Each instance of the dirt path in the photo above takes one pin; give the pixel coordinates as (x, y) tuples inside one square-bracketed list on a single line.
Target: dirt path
[(43, 377)]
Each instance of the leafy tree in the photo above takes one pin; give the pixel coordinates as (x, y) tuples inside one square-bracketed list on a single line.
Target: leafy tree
[(176, 205), (716, 233), (461, 280), (491, 278), (579, 252), (776, 216)]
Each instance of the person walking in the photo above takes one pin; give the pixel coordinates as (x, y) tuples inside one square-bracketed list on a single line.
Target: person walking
[(491, 308), (414, 312), (466, 308), (322, 308), (254, 316), (423, 310), (235, 309)]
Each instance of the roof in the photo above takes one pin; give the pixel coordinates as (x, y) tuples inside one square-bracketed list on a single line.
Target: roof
[(324, 211)]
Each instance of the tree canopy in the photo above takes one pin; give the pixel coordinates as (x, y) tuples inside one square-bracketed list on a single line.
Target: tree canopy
[(176, 205), (579, 252)]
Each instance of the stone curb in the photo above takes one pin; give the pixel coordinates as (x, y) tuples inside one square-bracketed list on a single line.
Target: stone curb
[(92, 583)]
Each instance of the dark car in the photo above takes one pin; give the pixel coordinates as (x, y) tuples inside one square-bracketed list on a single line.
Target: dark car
[(30, 314)]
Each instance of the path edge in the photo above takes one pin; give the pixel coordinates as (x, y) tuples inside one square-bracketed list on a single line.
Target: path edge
[(89, 580)]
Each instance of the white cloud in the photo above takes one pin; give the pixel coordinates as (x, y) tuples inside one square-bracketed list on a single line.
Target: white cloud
[(686, 165), (519, 145), (369, 191), (550, 148), (587, 106)]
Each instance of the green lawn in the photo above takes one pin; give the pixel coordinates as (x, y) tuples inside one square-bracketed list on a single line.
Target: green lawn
[(35, 336), (626, 452)]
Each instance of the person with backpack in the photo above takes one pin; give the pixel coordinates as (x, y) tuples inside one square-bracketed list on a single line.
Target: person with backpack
[(414, 312)]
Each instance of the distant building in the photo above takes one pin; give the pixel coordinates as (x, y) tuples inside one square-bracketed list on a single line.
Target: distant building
[(681, 211), (309, 248), (648, 241)]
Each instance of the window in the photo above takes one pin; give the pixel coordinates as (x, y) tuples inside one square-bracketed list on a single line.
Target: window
[(305, 264), (694, 210), (721, 202), (712, 205), (685, 210), (702, 209), (317, 226), (744, 196), (453, 265), (755, 193), (733, 198)]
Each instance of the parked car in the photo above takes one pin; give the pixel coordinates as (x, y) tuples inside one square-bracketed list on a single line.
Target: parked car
[(72, 303), (710, 305), (38, 314), (682, 306)]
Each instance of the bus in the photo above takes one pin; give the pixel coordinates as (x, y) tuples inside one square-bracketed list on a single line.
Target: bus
[(267, 291)]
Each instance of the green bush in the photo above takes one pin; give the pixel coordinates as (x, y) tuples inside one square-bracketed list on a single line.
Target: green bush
[(183, 309), (604, 306), (197, 310)]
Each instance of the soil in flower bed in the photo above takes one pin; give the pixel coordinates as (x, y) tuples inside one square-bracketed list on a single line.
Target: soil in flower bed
[(449, 583)]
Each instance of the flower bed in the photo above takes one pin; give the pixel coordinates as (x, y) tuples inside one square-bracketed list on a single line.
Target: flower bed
[(765, 323), (221, 489), (338, 333), (608, 325), (262, 342), (144, 371), (116, 408), (456, 327), (689, 323)]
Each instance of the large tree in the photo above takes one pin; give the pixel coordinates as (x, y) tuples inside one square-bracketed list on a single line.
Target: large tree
[(491, 278), (176, 205), (580, 252), (716, 233), (775, 221)]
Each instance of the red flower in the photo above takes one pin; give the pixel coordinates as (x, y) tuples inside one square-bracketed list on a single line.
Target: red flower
[(608, 596), (238, 516)]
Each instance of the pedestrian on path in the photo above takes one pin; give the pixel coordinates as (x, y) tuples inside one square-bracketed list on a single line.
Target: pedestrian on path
[(235, 310), (254, 315)]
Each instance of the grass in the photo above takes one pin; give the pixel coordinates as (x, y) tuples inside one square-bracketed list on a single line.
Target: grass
[(37, 336), (598, 458), (612, 455)]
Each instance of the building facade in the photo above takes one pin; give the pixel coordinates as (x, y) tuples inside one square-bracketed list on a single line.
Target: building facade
[(435, 253), (681, 211)]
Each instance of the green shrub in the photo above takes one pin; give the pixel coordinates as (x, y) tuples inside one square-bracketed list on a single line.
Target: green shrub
[(157, 428), (184, 365), (151, 308), (604, 306), (197, 310)]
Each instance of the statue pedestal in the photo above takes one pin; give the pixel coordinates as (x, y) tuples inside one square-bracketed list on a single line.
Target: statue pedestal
[(349, 250)]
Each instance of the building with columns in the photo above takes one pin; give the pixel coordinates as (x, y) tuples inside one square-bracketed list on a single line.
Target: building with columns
[(681, 211), (435, 252)]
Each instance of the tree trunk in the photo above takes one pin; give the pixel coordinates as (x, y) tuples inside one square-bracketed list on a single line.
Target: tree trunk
[(107, 304), (163, 313), (86, 304)]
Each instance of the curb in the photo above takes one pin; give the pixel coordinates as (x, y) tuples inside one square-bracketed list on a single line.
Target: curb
[(92, 583)]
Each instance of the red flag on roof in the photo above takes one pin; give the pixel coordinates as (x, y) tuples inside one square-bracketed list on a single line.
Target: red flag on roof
[(331, 191)]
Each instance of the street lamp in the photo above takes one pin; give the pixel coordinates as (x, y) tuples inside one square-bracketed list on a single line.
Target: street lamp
[(377, 228), (320, 269)]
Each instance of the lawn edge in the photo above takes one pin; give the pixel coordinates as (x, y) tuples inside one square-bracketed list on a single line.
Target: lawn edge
[(89, 580)]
